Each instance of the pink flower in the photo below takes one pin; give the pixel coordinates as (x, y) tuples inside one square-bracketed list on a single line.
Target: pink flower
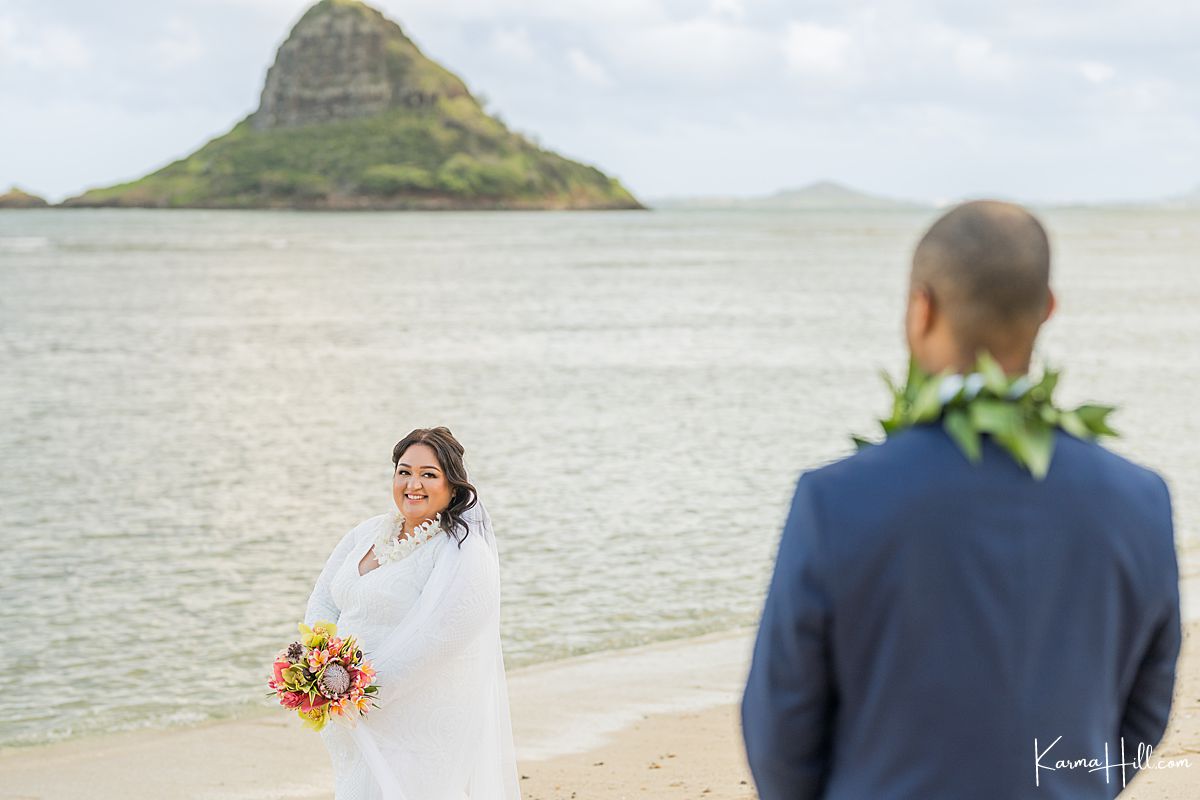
[(318, 658), (292, 699), (309, 705)]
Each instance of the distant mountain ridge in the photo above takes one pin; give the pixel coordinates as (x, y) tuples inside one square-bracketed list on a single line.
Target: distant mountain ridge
[(822, 195), (1189, 200), (354, 116)]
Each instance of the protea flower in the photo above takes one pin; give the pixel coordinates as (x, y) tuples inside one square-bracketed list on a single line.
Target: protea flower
[(335, 681)]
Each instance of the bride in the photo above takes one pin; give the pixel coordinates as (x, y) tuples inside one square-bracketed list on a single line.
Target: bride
[(420, 589)]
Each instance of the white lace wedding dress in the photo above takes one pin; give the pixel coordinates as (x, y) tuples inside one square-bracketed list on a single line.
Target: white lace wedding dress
[(429, 623)]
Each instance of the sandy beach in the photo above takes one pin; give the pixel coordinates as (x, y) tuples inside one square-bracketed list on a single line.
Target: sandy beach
[(658, 721)]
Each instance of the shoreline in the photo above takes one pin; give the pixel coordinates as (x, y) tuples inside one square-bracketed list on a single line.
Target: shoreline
[(270, 756), (649, 657), (658, 720), (249, 711)]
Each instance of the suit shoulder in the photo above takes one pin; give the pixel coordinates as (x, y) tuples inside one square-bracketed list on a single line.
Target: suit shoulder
[(930, 447), (925, 444), (1118, 462), (1109, 469), (919, 462), (906, 470)]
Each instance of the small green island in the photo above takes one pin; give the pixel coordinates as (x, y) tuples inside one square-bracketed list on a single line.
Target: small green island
[(17, 198), (354, 116)]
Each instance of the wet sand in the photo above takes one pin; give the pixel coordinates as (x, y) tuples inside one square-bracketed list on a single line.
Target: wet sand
[(658, 721)]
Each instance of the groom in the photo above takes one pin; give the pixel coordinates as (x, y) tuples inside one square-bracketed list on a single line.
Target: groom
[(937, 628)]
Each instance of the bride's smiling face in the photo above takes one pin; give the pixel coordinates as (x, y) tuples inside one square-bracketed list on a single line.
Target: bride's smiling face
[(419, 486)]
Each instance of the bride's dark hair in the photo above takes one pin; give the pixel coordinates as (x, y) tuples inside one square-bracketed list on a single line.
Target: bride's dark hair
[(450, 458)]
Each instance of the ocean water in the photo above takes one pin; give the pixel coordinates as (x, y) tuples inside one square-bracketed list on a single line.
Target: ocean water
[(197, 405)]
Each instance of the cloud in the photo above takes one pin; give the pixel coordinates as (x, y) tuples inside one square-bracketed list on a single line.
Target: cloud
[(588, 69), (700, 52), (47, 48), (585, 12), (815, 49), (1147, 96), (1096, 71), (180, 45), (974, 55), (727, 8), (513, 44)]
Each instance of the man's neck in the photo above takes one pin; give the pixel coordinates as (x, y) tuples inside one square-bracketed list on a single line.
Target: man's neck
[(1013, 364)]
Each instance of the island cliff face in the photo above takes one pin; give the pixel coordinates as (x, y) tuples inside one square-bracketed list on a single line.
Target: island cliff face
[(353, 116), (342, 62)]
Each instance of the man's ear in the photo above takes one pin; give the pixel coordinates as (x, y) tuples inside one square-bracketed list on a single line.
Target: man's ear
[(1051, 304), (921, 311)]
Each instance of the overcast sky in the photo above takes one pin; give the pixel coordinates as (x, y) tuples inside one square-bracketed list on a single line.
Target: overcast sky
[(1037, 100)]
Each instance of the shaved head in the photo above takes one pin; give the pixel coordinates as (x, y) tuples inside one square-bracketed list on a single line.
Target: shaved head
[(986, 268)]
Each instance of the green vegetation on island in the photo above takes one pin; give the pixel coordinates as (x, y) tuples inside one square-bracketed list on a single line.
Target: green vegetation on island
[(451, 155), (353, 116), (16, 198)]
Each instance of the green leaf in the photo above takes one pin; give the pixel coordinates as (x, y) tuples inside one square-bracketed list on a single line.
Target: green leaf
[(1096, 418), (1024, 426), (887, 379), (1047, 385), (958, 426), (1036, 441), (994, 416), (1048, 414), (927, 405), (993, 374), (1072, 424), (915, 379), (959, 398)]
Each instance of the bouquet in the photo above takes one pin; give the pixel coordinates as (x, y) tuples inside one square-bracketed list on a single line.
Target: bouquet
[(324, 677)]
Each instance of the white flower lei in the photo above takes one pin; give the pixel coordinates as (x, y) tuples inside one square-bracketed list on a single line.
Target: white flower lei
[(388, 545)]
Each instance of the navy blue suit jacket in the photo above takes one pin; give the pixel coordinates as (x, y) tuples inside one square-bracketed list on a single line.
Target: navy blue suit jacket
[(928, 619)]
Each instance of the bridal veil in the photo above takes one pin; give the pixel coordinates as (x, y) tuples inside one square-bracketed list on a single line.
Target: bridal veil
[(444, 731)]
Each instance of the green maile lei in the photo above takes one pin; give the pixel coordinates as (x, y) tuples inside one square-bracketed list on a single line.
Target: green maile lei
[(1018, 414)]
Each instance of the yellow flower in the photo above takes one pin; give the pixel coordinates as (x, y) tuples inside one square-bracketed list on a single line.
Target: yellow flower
[(316, 718), (318, 634)]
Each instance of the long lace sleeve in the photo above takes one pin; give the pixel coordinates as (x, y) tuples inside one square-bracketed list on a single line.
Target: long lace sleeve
[(460, 605), (320, 602)]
